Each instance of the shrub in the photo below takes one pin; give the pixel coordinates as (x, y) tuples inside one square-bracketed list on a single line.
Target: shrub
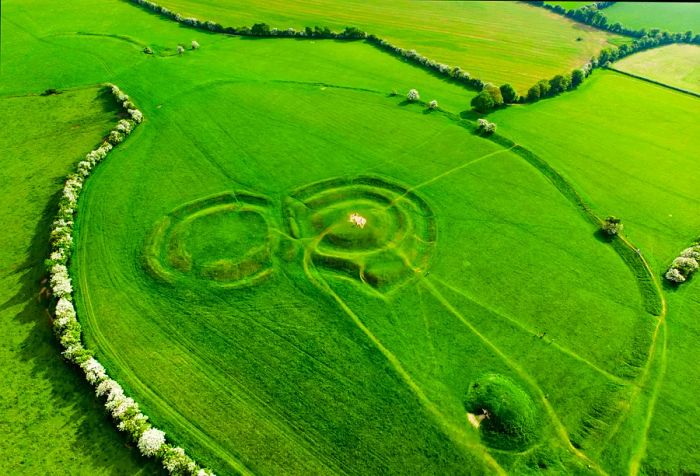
[(577, 77), (151, 442), (413, 95), (175, 461), (195, 45), (180, 49), (482, 102), (495, 94), (533, 94), (485, 127), (612, 225), (674, 276), (260, 29), (685, 265), (509, 94), (115, 137), (148, 51), (433, 104)]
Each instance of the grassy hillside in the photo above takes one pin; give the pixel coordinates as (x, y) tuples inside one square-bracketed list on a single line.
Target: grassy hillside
[(675, 65), (497, 42), (642, 172), (670, 16), (219, 279), (50, 423)]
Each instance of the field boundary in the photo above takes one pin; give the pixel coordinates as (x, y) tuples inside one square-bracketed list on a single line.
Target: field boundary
[(653, 81), (124, 410)]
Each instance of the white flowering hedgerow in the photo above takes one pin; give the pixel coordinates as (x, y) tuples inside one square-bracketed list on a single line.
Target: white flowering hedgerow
[(685, 265), (66, 326)]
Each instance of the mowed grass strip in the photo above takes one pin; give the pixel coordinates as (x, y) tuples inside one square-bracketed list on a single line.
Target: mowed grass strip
[(675, 65), (676, 17), (500, 42), (51, 421)]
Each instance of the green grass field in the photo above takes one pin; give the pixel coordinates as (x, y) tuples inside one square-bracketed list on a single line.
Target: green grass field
[(647, 179), (532, 44), (50, 421), (219, 280), (675, 65), (652, 166), (671, 16)]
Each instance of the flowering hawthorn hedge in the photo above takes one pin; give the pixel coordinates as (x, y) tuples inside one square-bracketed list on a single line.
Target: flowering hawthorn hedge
[(124, 410), (685, 265)]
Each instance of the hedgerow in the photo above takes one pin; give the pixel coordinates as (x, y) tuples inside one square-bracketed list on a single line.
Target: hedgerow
[(685, 264), (123, 409)]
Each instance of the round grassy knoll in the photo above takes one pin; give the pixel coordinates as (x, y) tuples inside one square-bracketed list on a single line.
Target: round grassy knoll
[(510, 416)]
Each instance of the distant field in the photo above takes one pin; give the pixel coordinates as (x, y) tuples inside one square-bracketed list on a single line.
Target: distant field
[(675, 65), (570, 5), (675, 17), (531, 45), (50, 421)]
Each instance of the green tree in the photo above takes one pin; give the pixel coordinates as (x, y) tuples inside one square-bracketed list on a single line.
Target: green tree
[(533, 94), (509, 94), (483, 102), (559, 84), (495, 94), (577, 77), (544, 88), (260, 29)]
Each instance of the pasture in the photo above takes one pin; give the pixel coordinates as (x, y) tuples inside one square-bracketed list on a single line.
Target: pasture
[(293, 269), (675, 65), (532, 44), (676, 17)]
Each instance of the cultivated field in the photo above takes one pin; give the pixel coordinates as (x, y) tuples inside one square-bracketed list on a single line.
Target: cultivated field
[(675, 65), (671, 16), (532, 44), (293, 269)]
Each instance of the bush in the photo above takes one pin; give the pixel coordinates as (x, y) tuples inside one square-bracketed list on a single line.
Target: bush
[(533, 94), (577, 77), (509, 94), (413, 95), (485, 127), (195, 45), (151, 442), (260, 29), (433, 104), (612, 225), (495, 94), (180, 49), (482, 102)]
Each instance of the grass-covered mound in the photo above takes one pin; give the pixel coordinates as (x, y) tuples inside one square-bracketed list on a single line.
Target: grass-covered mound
[(510, 418), (392, 240)]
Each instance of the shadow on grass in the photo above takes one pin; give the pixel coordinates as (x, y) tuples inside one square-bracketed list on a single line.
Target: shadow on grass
[(96, 436)]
